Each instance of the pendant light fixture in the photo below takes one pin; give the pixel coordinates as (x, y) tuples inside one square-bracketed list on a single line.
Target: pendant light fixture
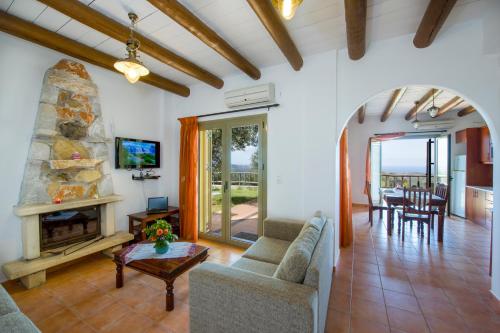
[(287, 8), (131, 66), (433, 110)]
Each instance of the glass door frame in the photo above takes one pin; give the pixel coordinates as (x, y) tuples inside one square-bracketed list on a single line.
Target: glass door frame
[(225, 125)]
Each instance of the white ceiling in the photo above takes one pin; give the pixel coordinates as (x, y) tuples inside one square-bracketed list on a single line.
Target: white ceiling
[(318, 26), (376, 105)]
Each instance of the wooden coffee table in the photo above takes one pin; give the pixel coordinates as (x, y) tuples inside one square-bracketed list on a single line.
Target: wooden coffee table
[(165, 269)]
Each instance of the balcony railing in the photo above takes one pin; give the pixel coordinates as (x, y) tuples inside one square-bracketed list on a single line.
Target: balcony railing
[(391, 180), (238, 178)]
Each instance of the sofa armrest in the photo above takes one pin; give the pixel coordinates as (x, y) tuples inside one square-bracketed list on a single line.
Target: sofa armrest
[(228, 299), (284, 229)]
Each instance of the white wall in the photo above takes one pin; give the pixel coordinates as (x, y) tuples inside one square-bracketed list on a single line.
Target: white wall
[(446, 63), (128, 110), (300, 134)]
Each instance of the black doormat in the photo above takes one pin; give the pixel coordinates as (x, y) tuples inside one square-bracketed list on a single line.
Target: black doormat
[(246, 236)]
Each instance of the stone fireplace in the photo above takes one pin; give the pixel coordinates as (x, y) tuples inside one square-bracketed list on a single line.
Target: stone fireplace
[(67, 192), (67, 227)]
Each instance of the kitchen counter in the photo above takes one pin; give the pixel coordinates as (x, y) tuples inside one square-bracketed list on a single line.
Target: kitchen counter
[(481, 188)]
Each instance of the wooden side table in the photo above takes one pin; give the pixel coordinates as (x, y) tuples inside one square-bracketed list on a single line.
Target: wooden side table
[(144, 218)]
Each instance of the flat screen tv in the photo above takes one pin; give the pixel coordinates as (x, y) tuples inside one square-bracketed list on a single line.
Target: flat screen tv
[(136, 154)]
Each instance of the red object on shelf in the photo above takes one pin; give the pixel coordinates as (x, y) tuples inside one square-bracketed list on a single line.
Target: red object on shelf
[(57, 200), (76, 156)]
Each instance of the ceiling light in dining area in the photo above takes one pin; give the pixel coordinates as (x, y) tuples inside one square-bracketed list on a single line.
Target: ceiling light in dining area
[(287, 8)]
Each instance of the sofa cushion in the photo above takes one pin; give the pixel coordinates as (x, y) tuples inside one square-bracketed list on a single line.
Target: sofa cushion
[(316, 222), (267, 249), (16, 322), (7, 305), (255, 266), (296, 260)]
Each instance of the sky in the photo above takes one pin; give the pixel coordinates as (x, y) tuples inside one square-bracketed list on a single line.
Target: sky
[(404, 155), (243, 157)]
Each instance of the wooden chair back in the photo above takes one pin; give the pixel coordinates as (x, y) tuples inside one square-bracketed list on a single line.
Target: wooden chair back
[(442, 191), (369, 193), (416, 201)]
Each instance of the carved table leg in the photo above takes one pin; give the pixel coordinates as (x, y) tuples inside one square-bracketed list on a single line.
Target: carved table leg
[(170, 295), (119, 275)]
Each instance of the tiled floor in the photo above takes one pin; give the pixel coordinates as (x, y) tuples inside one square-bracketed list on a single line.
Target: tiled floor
[(83, 298), (380, 285), (384, 285)]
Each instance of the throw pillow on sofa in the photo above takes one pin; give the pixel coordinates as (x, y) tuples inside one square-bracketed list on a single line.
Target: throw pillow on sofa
[(294, 264)]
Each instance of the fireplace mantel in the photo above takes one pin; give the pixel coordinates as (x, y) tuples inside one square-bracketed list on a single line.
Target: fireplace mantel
[(28, 210)]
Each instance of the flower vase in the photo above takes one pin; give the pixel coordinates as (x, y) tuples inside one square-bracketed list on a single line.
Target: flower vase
[(161, 247)]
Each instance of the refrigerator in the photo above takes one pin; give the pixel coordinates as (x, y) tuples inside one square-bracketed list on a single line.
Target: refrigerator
[(458, 186)]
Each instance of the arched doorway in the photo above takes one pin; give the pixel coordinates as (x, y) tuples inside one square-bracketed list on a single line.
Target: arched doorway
[(413, 272)]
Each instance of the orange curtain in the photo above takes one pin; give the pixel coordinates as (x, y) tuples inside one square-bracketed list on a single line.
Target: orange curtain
[(345, 193), (188, 178)]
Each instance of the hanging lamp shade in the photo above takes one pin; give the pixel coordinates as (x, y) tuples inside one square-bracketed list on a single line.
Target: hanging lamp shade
[(287, 8), (131, 66)]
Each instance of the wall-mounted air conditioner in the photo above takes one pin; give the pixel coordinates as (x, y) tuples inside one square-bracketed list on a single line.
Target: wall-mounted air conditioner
[(262, 94), (433, 125)]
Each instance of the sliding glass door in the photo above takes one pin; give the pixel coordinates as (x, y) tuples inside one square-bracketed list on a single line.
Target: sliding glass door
[(232, 179)]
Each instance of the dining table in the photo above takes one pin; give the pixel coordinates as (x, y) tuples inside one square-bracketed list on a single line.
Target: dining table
[(394, 198)]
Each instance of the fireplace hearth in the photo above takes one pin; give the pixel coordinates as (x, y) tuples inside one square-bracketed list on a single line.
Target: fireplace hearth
[(63, 228)]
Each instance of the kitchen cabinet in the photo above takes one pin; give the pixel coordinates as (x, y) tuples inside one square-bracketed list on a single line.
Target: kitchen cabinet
[(486, 146), (479, 206), (461, 136)]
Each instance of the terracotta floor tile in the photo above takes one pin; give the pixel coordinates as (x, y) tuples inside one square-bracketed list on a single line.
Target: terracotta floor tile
[(108, 315), (402, 301), (406, 321), (340, 302), (370, 293), (360, 278), (59, 322), (92, 306), (364, 309), (43, 309), (337, 322), (433, 308), (367, 326), (446, 326), (402, 286), (131, 322)]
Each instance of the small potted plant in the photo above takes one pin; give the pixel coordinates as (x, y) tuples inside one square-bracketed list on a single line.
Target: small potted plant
[(160, 232)]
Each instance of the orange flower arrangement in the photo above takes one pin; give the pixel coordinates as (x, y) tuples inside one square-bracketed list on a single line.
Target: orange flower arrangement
[(160, 232)]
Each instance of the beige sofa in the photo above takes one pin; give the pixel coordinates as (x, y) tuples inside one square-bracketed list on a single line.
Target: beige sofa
[(274, 287)]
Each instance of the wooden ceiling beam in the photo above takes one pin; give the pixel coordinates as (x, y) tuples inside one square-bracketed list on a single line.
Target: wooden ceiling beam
[(355, 19), (361, 113), (180, 14), (452, 103), (435, 15), (36, 34), (422, 103), (395, 98), (94, 19), (465, 111), (276, 28)]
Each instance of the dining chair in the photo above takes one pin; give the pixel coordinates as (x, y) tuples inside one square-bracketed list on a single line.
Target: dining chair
[(371, 207), (416, 208), (441, 190)]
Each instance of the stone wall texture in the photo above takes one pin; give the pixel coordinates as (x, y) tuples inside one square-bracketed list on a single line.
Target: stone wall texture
[(69, 121)]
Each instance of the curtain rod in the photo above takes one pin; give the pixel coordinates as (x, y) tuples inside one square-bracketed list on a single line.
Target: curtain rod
[(240, 110)]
